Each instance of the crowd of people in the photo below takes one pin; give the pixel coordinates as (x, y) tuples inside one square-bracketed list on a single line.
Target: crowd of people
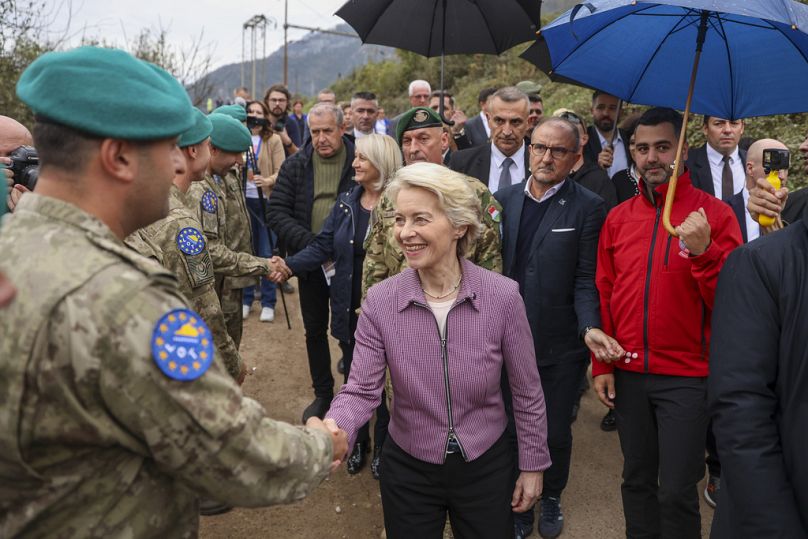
[(472, 269)]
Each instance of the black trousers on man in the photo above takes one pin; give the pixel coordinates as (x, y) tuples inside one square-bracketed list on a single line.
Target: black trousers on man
[(560, 384), (417, 495), (314, 300), (662, 423)]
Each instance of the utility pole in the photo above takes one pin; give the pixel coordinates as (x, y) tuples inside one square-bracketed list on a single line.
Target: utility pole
[(255, 25), (286, 26)]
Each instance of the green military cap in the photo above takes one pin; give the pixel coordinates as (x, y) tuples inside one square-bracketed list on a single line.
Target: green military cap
[(529, 87), (234, 111), (107, 93), (229, 134), (198, 132), (417, 118)]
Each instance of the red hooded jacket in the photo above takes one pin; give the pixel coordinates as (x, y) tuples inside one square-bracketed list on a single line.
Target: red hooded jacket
[(656, 302)]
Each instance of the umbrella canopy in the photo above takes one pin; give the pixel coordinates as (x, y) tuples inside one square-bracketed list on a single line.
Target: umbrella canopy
[(754, 60), (436, 27)]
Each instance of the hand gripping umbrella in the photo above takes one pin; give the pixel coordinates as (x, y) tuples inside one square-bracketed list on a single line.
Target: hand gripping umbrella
[(751, 57), (439, 27)]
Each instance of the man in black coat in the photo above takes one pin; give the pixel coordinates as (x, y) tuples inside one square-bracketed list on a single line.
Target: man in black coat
[(505, 160), (757, 388), (717, 167), (307, 186), (550, 230), (476, 129)]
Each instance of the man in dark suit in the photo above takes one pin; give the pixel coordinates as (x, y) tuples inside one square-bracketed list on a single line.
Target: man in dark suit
[(610, 155), (718, 166), (477, 128), (550, 230), (505, 160)]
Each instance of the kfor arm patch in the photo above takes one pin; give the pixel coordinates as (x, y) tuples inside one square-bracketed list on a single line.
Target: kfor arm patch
[(182, 345)]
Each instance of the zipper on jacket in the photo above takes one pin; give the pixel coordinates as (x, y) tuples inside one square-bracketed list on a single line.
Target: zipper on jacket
[(648, 289), (668, 250), (452, 435)]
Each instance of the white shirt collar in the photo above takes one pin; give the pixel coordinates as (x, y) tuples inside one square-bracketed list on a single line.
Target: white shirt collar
[(717, 158), (604, 142), (550, 192), (498, 157)]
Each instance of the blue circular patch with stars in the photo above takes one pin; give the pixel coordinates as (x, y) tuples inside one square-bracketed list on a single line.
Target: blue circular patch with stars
[(190, 241), (182, 345), (209, 202)]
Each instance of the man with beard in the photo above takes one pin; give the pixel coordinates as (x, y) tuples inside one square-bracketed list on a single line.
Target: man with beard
[(611, 155), (278, 102)]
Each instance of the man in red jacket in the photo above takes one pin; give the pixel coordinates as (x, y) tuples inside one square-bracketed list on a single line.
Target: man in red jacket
[(656, 296)]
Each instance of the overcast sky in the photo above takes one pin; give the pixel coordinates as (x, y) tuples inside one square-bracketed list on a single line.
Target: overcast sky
[(221, 21)]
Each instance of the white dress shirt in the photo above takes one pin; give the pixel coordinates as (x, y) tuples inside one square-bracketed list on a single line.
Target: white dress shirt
[(550, 192), (717, 169), (619, 161), (752, 226), (485, 125), (517, 167)]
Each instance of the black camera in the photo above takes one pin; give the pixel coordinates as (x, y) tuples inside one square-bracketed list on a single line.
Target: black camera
[(25, 166), (280, 125), (253, 121), (775, 159)]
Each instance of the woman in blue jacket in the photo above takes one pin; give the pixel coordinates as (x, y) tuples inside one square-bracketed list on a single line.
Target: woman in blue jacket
[(341, 241)]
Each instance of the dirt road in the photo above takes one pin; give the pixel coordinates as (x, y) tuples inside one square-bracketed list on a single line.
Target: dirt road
[(349, 507)]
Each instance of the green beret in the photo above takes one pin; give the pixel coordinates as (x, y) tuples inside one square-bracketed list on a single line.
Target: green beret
[(198, 132), (417, 118), (107, 93), (229, 134), (234, 111), (528, 87)]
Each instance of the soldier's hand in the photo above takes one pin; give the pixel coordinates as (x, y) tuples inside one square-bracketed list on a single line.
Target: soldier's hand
[(764, 199), (695, 232), (606, 157), (339, 438), (242, 372)]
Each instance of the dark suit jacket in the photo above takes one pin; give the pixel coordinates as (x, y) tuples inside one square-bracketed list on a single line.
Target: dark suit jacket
[(559, 292), (593, 147), (699, 166), (475, 131), (740, 212), (476, 162), (597, 180)]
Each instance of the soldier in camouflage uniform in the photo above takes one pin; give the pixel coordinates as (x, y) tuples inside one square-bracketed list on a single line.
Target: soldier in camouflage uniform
[(420, 133), (115, 412), (178, 244), (234, 269)]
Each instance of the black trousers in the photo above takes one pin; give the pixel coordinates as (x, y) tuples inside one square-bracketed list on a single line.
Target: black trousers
[(662, 423), (314, 308), (713, 464), (560, 384), (416, 495)]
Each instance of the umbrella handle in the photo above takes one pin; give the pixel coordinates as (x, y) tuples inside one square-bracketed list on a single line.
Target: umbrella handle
[(671, 193)]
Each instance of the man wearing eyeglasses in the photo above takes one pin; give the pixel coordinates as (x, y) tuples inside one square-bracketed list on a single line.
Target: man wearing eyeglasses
[(550, 231), (503, 161)]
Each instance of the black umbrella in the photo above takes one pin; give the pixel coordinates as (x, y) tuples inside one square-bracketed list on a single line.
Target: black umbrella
[(439, 27)]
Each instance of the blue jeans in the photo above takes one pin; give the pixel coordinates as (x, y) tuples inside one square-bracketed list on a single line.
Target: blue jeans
[(261, 245)]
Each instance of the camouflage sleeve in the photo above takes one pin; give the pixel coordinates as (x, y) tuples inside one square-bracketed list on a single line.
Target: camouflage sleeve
[(204, 432), (230, 263), (374, 268), (206, 303), (487, 252)]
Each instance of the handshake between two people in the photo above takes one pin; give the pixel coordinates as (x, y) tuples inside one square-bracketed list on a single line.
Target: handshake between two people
[(339, 439), (279, 272)]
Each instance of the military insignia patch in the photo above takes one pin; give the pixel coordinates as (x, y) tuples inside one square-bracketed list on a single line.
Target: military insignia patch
[(209, 202), (190, 241), (182, 345), (420, 116), (493, 212)]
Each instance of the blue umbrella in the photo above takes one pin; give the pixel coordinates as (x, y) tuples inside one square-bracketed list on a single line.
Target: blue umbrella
[(726, 58)]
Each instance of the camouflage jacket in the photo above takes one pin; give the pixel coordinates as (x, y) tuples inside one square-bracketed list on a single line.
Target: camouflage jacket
[(384, 258), (95, 440), (238, 233), (207, 199), (177, 243)]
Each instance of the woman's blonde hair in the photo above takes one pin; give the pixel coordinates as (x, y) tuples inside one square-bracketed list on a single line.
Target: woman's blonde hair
[(383, 153), (455, 197)]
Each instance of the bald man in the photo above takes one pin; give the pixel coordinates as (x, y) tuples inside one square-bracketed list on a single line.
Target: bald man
[(754, 169), (12, 135)]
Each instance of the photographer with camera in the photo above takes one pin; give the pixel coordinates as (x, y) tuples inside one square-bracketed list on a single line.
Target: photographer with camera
[(277, 100), (19, 159)]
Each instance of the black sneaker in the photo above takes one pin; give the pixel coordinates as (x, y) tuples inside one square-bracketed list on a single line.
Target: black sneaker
[(609, 422), (358, 458), (551, 521), (318, 407), (711, 491), (341, 366)]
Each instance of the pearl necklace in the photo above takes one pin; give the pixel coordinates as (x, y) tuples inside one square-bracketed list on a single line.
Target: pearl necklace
[(447, 294)]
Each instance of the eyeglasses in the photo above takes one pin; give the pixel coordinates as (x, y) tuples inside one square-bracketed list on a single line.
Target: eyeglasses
[(556, 152)]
